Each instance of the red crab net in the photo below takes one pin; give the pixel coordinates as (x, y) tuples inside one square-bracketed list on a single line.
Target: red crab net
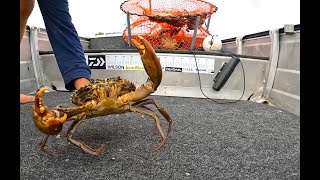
[(168, 24)]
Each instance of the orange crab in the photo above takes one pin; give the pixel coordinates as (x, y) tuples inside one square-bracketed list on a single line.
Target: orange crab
[(105, 97)]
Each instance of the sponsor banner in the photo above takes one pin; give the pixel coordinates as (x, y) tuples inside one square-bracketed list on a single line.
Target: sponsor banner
[(169, 63)]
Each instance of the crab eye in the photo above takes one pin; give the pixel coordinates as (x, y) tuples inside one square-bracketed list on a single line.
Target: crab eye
[(87, 100)]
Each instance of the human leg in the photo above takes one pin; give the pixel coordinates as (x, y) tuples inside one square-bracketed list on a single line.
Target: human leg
[(26, 7), (65, 43), (26, 98)]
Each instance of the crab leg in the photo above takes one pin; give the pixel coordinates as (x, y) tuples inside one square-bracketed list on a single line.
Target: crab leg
[(153, 68), (160, 109), (156, 119), (75, 124), (43, 144)]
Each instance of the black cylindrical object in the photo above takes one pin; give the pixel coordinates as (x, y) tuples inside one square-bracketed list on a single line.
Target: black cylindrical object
[(224, 73)]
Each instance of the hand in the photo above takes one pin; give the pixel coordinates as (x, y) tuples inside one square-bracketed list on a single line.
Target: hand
[(80, 82)]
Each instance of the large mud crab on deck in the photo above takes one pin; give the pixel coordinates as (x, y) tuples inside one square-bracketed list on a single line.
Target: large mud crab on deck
[(105, 97)]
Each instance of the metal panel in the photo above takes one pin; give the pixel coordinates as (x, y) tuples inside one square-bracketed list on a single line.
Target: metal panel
[(85, 42), (257, 46), (28, 85), (176, 83), (289, 103), (287, 81), (43, 34), (286, 88), (44, 45), (26, 70), (37, 66), (289, 55), (230, 46), (50, 69), (274, 57), (203, 93), (25, 54), (239, 43), (27, 79)]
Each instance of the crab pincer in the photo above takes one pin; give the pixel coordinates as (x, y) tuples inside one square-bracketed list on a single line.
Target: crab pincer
[(49, 122), (149, 60)]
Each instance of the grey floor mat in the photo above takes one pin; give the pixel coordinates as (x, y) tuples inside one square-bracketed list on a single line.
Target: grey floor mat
[(243, 140)]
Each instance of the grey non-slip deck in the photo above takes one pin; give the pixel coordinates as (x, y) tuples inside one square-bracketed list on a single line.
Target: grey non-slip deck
[(243, 140)]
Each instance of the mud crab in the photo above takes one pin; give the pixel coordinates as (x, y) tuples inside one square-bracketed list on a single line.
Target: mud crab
[(104, 97), (167, 39)]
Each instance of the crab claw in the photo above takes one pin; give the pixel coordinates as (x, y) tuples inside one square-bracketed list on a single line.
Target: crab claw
[(150, 60), (47, 121)]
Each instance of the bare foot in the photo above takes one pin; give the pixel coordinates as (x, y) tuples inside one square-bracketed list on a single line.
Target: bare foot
[(26, 98), (80, 82)]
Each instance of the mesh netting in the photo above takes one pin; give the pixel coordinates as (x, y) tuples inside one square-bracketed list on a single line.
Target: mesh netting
[(168, 24)]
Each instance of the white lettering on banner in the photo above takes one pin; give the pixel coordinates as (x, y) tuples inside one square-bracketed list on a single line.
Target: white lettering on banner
[(115, 67), (187, 70), (173, 69)]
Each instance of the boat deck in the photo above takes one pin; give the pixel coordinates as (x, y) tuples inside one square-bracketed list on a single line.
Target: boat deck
[(242, 140)]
